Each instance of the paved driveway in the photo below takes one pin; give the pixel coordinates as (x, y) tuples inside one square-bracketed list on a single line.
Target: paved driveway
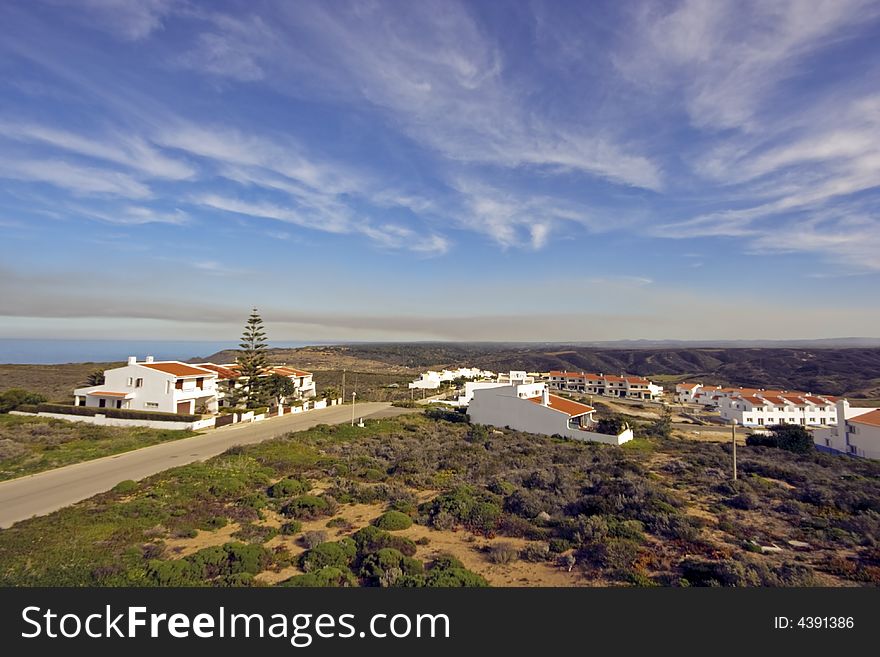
[(42, 493)]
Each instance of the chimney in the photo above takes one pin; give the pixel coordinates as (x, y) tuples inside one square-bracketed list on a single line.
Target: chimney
[(545, 396), (132, 360), (149, 359)]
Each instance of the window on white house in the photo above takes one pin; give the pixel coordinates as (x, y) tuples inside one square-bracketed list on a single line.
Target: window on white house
[(130, 382), (151, 405), (139, 383)]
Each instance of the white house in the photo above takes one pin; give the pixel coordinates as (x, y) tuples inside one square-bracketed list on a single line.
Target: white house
[(630, 387), (768, 407), (165, 386), (530, 407), (686, 393), (431, 380), (856, 432), (229, 379)]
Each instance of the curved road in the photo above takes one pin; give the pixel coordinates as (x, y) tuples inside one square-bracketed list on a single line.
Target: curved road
[(42, 493)]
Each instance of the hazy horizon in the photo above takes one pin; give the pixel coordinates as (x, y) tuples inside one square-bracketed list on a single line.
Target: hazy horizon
[(453, 171)]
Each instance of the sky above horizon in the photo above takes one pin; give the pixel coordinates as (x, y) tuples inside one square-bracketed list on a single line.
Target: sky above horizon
[(546, 171)]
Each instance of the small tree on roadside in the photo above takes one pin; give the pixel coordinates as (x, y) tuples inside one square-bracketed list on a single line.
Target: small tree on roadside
[(278, 387), (95, 378), (331, 393), (253, 360)]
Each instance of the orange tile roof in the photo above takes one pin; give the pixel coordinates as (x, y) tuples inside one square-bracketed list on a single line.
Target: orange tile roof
[(688, 386), (176, 368), (754, 401), (222, 372), (636, 379), (567, 406), (816, 400), (105, 393), (289, 371), (871, 419)]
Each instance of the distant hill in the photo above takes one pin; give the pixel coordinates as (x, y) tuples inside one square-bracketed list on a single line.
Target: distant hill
[(853, 371)]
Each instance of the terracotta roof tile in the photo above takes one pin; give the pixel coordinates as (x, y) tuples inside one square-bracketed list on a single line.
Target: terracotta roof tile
[(567, 406), (871, 419), (176, 368)]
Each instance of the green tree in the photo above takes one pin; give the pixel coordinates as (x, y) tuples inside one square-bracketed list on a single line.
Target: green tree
[(662, 426), (790, 437), (253, 360), (15, 397), (95, 378), (611, 426), (278, 387), (331, 393)]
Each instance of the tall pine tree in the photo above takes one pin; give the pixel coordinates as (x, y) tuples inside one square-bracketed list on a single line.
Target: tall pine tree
[(252, 360)]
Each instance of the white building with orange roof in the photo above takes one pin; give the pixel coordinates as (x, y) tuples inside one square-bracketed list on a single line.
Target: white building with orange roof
[(752, 407), (630, 387), (686, 393), (530, 407), (856, 432), (164, 386), (229, 379)]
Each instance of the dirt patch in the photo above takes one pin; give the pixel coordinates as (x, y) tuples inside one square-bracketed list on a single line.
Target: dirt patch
[(182, 547)]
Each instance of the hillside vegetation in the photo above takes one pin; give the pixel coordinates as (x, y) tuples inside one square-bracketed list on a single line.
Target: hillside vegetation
[(470, 506)]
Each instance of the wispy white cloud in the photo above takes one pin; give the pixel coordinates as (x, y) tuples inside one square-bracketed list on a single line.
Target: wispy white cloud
[(130, 20), (132, 215), (81, 180), (128, 150)]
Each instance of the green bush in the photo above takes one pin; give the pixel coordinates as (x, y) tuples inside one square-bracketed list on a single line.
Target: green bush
[(289, 487), (393, 521), (790, 437), (173, 573), (247, 558), (478, 510), (378, 565), (372, 539), (15, 398), (329, 576), (292, 527), (126, 486), (338, 555), (118, 413), (307, 507)]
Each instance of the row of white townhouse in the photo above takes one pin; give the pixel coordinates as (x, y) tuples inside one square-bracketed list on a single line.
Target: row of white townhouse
[(432, 379), (755, 407), (174, 387), (631, 387)]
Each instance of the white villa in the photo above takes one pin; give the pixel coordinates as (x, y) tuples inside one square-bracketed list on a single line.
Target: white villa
[(530, 407), (630, 387), (431, 380), (856, 432), (165, 386)]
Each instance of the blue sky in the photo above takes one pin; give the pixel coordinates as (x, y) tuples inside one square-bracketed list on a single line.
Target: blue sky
[(440, 170)]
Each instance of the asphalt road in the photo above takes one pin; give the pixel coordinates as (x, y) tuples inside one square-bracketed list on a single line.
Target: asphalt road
[(42, 493)]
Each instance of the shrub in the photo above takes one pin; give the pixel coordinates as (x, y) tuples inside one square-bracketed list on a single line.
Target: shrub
[(393, 521), (312, 539), (247, 558), (307, 507), (255, 533), (479, 510), (387, 565), (213, 523), (790, 437), (288, 487), (503, 553), (454, 578), (119, 413), (372, 539), (329, 576), (559, 545), (126, 486), (535, 553), (172, 573), (338, 555), (450, 415), (445, 561), (292, 527), (14, 398)]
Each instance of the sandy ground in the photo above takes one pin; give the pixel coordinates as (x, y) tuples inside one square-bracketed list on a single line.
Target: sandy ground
[(467, 547)]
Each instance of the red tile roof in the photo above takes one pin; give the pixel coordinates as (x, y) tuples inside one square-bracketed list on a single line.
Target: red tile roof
[(176, 368), (567, 406), (283, 370), (105, 393), (688, 386), (222, 372), (871, 419)]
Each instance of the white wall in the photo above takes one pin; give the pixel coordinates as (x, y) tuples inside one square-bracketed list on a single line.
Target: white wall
[(501, 408), (103, 420)]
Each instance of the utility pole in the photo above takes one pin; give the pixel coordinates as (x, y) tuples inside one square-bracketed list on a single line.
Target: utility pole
[(733, 440), (353, 395), (343, 385)]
